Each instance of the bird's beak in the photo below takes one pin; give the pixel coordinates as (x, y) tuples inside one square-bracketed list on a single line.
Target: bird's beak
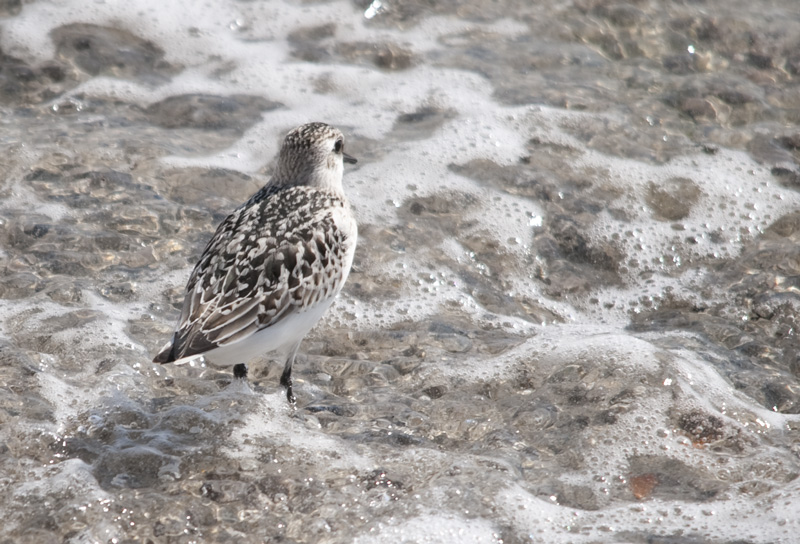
[(349, 159)]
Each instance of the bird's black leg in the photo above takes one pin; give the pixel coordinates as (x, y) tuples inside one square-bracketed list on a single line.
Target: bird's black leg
[(240, 371), (286, 381), (286, 377)]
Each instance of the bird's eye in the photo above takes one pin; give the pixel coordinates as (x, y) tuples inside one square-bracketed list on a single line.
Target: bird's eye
[(337, 147)]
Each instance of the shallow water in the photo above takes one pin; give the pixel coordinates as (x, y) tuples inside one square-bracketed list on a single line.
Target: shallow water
[(572, 311)]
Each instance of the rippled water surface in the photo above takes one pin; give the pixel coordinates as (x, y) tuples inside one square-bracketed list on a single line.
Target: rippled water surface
[(572, 314)]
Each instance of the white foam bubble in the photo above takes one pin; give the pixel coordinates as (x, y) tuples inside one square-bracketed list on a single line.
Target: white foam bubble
[(738, 199), (434, 528), (723, 519), (267, 424)]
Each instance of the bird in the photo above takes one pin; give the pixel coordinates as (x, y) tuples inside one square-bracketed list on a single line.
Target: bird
[(275, 264)]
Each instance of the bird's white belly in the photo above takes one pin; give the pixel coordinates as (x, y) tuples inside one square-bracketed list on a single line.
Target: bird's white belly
[(279, 337)]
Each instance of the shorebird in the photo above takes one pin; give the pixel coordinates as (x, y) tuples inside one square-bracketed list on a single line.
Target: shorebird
[(274, 265)]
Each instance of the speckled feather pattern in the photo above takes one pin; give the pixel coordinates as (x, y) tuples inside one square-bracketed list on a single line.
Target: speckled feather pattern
[(284, 251), (279, 253)]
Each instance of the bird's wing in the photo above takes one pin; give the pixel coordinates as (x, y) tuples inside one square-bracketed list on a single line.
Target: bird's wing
[(268, 259)]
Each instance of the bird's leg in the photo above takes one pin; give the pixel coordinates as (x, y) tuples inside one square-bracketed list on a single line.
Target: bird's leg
[(240, 371), (286, 377)]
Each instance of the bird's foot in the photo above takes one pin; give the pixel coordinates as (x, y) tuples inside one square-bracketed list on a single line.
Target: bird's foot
[(240, 371), (289, 394)]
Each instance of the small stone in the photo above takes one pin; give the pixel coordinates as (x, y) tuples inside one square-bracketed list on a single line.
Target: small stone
[(673, 200), (210, 112), (102, 50), (698, 108), (10, 8)]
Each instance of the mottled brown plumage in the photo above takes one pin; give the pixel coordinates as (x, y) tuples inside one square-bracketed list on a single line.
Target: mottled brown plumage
[(275, 264)]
